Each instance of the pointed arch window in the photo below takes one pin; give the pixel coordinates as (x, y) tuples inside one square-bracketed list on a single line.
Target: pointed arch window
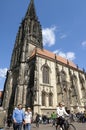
[(74, 80), (50, 99), (45, 74), (63, 76), (43, 99), (82, 81)]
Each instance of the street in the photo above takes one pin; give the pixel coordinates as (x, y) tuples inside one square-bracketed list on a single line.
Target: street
[(79, 126)]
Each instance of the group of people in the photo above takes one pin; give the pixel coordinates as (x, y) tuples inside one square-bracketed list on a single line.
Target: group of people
[(21, 119)]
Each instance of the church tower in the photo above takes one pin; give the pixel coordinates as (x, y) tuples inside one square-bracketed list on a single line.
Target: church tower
[(20, 77), (39, 78), (29, 36)]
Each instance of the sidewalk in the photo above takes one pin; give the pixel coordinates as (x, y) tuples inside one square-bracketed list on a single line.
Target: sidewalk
[(79, 126)]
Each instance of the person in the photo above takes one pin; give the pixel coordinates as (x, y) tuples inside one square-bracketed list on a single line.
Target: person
[(53, 117), (85, 116), (61, 112), (9, 120), (18, 116), (37, 119), (2, 118), (27, 119)]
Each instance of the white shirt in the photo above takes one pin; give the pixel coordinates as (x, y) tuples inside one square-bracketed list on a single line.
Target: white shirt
[(28, 117), (61, 112)]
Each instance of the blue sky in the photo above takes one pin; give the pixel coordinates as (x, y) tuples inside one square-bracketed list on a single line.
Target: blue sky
[(63, 23)]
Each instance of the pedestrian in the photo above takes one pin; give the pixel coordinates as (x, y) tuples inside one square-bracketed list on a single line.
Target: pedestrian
[(27, 119), (18, 117), (53, 117), (37, 119), (2, 118), (9, 120)]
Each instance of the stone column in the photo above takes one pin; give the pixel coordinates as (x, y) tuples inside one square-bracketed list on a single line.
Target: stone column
[(24, 95), (19, 94), (15, 101)]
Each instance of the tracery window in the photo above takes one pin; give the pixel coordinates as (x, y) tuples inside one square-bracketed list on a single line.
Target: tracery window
[(73, 92), (50, 99), (43, 99), (45, 74), (63, 76), (82, 81), (74, 89), (34, 28), (74, 80)]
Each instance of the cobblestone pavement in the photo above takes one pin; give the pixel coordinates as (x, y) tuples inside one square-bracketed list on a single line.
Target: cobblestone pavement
[(79, 126)]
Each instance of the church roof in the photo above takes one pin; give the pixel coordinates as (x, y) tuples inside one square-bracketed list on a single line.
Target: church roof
[(50, 55)]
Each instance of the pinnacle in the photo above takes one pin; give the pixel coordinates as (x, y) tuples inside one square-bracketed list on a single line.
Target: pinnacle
[(31, 10)]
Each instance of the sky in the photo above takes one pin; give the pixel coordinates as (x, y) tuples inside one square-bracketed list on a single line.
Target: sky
[(63, 28)]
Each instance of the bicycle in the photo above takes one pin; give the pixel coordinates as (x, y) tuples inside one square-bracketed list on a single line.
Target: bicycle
[(66, 125)]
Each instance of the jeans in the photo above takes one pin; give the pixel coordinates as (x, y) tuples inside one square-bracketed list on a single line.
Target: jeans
[(17, 126), (27, 126)]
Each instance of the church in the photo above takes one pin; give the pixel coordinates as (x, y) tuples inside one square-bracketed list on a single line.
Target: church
[(39, 78)]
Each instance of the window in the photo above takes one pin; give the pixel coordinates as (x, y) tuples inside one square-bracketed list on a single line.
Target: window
[(74, 80), (82, 81), (34, 28), (50, 99), (63, 76), (46, 74), (43, 99)]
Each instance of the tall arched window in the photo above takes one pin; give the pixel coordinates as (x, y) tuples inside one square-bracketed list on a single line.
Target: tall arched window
[(34, 28), (63, 76), (43, 98), (82, 82), (45, 74), (74, 78), (74, 95), (50, 99)]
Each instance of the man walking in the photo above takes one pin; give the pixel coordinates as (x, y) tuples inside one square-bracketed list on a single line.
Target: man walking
[(18, 116)]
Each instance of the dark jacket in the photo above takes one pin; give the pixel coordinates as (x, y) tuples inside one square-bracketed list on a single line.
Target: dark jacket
[(37, 118)]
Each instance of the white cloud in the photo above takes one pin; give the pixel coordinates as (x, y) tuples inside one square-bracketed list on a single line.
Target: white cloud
[(2, 77), (3, 72), (2, 81), (84, 43), (63, 36), (68, 55), (49, 36)]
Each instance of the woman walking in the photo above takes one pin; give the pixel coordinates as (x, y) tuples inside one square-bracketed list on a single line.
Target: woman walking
[(27, 119)]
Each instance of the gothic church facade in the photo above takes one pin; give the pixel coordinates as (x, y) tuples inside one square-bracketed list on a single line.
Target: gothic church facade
[(39, 78)]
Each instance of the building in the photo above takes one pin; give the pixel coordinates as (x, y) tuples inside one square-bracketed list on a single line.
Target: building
[(38, 78)]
